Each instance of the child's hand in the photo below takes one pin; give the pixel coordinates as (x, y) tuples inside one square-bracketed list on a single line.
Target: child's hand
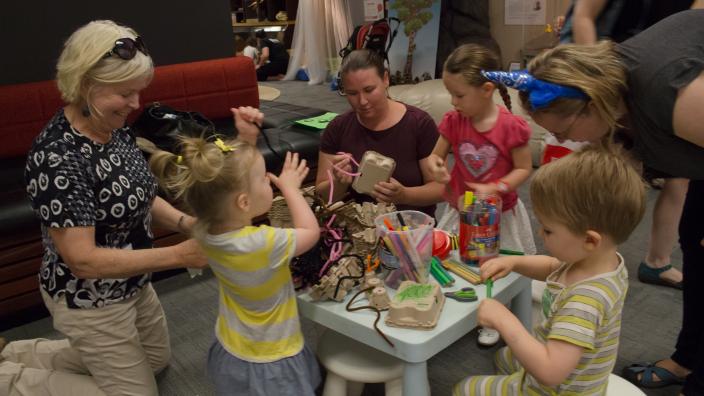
[(496, 268), (491, 313), (341, 164), (484, 188), (292, 174), (389, 192), (437, 168), (248, 121)]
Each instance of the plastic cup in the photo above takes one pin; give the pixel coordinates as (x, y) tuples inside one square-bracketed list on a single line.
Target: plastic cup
[(480, 218), (406, 245)]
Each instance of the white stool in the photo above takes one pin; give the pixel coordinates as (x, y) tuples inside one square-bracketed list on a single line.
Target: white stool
[(620, 387), (351, 364)]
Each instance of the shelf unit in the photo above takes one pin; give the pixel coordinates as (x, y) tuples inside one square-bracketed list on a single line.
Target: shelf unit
[(242, 29), (253, 23)]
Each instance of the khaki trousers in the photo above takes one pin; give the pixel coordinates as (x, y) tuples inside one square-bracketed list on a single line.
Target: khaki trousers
[(112, 350)]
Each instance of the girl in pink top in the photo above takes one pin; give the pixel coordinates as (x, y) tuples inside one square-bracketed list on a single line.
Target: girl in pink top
[(490, 144)]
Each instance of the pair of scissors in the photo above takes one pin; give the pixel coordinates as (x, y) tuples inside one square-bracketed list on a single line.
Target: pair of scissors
[(465, 294)]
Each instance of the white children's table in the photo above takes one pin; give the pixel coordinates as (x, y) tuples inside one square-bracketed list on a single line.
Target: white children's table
[(415, 347)]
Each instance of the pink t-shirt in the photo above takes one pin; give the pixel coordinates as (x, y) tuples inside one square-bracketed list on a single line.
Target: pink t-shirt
[(482, 157)]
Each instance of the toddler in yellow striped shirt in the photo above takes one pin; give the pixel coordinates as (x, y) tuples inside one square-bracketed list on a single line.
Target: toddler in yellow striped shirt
[(587, 203), (258, 348)]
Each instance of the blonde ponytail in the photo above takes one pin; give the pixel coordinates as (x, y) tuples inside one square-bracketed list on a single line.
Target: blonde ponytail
[(203, 176)]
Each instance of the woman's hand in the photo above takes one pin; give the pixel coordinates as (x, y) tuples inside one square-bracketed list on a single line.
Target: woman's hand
[(342, 163), (483, 188), (389, 192), (496, 268), (437, 168), (192, 255), (491, 314), (248, 122), (292, 174)]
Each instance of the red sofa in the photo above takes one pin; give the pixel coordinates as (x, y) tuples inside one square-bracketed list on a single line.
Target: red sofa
[(210, 87)]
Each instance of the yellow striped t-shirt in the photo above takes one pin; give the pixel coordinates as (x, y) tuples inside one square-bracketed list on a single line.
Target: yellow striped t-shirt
[(258, 316), (587, 314)]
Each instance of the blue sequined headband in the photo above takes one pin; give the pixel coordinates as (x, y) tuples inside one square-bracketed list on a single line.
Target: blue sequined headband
[(540, 93)]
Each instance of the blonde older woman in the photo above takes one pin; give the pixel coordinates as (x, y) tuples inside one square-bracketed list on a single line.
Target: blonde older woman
[(96, 199)]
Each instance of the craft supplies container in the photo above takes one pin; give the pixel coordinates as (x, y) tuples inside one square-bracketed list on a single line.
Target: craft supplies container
[(480, 219), (405, 245)]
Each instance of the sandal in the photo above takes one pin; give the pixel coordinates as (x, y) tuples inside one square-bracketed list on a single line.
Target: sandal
[(647, 274), (666, 377)]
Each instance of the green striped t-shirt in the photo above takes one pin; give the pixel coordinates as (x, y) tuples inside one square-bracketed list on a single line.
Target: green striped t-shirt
[(587, 314)]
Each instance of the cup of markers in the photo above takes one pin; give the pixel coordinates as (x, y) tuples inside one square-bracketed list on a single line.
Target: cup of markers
[(480, 218), (407, 236)]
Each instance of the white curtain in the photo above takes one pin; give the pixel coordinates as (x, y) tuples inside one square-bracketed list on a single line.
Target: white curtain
[(322, 29)]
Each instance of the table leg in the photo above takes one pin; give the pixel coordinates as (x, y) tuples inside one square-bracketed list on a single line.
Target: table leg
[(415, 379), (521, 306)]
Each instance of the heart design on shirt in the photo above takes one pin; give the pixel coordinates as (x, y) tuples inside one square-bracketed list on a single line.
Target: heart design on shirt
[(478, 160)]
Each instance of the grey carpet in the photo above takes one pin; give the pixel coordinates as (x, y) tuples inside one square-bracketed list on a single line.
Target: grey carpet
[(651, 319)]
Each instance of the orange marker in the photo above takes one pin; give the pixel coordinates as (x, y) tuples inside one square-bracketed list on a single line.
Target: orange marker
[(387, 223)]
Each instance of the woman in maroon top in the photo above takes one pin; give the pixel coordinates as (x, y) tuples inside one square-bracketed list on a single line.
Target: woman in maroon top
[(376, 122)]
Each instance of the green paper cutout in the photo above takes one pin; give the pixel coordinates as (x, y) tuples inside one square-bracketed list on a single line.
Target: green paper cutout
[(317, 123)]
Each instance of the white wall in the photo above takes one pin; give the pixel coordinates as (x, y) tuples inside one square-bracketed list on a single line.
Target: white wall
[(513, 38)]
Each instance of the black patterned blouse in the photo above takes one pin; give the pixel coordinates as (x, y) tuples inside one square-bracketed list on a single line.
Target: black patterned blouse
[(73, 182)]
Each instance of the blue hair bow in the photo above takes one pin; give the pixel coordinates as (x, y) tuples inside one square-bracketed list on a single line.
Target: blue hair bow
[(541, 93)]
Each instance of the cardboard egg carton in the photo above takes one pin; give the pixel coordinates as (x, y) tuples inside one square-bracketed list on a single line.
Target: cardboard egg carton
[(416, 306), (325, 289)]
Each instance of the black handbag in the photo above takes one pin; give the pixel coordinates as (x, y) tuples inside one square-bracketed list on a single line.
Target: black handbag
[(163, 126)]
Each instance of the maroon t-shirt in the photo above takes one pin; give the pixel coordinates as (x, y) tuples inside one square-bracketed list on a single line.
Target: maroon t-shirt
[(409, 141)]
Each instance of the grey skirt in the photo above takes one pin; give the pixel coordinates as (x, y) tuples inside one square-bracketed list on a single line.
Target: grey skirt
[(297, 375)]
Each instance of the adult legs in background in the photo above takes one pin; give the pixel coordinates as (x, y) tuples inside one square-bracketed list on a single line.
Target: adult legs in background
[(271, 69), (688, 358), (656, 268), (689, 351)]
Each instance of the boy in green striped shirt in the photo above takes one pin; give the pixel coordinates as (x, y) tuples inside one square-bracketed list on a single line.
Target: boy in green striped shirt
[(587, 203)]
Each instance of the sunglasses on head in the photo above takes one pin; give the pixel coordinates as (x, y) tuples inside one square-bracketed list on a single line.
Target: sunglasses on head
[(126, 48)]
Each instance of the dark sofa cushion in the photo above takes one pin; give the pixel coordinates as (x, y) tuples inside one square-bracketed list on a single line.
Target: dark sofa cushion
[(282, 115)]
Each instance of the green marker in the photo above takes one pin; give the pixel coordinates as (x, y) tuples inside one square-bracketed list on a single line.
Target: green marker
[(439, 273), (511, 252), (489, 285)]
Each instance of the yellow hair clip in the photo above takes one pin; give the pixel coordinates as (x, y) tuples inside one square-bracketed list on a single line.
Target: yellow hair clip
[(222, 146), (179, 160)]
